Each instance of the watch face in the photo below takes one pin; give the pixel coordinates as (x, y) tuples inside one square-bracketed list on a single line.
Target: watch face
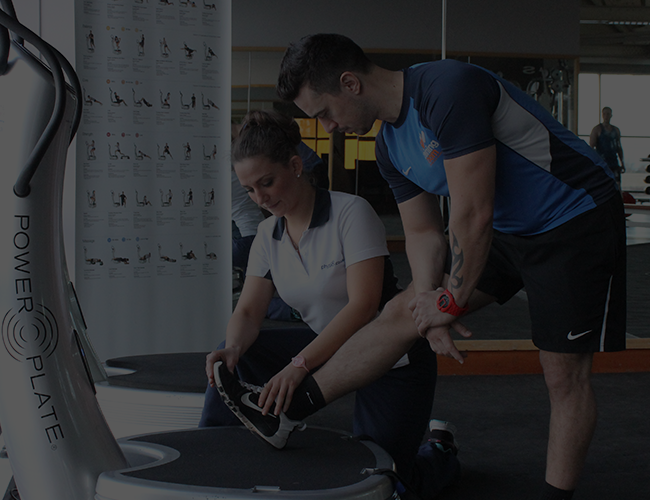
[(298, 361), (446, 304)]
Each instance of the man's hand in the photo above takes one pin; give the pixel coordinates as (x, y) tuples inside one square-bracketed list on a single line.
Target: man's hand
[(280, 389), (425, 312), (441, 342), (434, 325)]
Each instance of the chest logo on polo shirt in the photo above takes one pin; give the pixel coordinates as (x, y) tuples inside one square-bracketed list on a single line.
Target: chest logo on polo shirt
[(332, 264), (431, 151)]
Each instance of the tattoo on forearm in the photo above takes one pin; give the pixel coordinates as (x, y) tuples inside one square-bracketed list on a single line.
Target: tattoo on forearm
[(457, 261)]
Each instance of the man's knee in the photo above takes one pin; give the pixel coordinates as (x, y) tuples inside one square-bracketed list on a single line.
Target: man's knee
[(566, 372)]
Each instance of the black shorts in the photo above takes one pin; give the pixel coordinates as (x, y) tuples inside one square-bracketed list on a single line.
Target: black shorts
[(574, 276)]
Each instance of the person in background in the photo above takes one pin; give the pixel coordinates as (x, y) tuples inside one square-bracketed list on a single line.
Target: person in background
[(605, 138), (246, 216)]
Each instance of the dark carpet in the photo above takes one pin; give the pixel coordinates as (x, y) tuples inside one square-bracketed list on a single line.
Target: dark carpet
[(502, 426)]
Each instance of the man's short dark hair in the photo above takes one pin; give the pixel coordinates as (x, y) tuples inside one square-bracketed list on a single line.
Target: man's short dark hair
[(319, 60)]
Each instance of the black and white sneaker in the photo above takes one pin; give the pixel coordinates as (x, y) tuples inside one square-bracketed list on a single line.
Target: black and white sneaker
[(442, 433), (242, 398)]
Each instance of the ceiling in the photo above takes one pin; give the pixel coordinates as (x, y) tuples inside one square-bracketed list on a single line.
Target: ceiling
[(615, 36)]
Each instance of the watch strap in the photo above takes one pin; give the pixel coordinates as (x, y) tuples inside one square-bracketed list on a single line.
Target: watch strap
[(447, 304)]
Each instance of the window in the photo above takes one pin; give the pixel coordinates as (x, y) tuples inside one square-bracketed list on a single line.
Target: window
[(627, 95)]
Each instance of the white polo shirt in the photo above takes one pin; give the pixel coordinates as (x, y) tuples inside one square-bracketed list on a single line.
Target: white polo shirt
[(344, 230)]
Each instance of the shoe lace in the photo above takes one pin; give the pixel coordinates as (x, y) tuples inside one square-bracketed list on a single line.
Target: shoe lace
[(251, 387)]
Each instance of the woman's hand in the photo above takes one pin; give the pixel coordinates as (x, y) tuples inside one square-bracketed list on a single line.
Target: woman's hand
[(229, 355), (280, 389)]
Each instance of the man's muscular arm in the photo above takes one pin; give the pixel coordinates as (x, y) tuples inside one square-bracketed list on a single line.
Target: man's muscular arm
[(426, 245), (471, 187)]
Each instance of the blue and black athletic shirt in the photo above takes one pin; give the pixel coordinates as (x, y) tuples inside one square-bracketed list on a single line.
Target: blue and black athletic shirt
[(545, 174)]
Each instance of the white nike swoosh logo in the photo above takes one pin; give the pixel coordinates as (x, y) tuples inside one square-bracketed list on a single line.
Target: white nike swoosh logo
[(570, 336), (246, 400), (406, 172)]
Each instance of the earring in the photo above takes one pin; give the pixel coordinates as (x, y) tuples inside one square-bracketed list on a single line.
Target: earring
[(298, 176)]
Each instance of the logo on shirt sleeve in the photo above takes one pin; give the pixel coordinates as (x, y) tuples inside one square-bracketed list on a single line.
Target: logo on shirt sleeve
[(430, 151)]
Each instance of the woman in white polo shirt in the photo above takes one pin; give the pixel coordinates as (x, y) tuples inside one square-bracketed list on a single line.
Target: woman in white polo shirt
[(325, 253)]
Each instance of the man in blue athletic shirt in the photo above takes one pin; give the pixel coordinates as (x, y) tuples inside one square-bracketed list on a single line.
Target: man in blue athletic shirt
[(532, 206)]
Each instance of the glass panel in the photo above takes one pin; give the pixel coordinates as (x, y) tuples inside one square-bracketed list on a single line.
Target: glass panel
[(321, 133), (351, 154), (367, 150), (307, 127), (627, 95), (635, 148), (322, 147), (588, 103)]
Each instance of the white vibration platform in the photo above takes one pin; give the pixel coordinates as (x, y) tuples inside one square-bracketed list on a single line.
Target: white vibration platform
[(230, 463), (153, 393)]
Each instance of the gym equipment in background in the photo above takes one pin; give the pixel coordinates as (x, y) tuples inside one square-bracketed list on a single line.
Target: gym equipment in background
[(56, 437)]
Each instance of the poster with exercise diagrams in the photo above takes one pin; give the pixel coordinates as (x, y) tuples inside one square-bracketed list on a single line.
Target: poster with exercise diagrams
[(153, 267)]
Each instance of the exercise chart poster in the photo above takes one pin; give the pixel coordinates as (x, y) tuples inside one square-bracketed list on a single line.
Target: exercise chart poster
[(153, 267)]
